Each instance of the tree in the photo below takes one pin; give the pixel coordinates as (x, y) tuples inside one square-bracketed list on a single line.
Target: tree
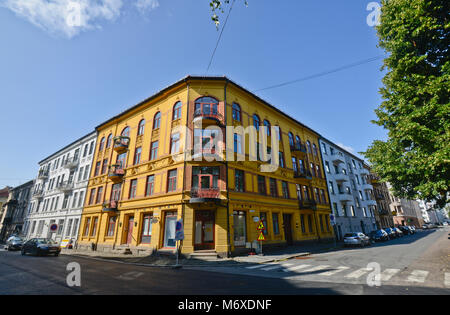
[(217, 6), (415, 110)]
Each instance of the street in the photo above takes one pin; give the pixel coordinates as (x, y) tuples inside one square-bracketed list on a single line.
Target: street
[(413, 264)]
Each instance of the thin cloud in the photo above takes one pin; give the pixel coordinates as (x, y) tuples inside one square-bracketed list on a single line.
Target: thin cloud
[(68, 18), (349, 149)]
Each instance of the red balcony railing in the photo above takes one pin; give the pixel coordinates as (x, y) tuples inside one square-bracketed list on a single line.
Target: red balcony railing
[(205, 193), (116, 172), (110, 205), (121, 143), (208, 113)]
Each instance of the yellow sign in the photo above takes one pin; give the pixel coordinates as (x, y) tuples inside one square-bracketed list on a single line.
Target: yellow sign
[(261, 237), (261, 226)]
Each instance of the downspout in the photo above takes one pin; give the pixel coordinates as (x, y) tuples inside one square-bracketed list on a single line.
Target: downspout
[(183, 205), (226, 176)]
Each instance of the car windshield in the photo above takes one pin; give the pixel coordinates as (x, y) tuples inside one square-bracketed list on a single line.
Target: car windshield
[(15, 238), (45, 241), (350, 235)]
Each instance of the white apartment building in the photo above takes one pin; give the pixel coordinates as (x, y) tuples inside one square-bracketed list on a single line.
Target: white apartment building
[(350, 190), (60, 190)]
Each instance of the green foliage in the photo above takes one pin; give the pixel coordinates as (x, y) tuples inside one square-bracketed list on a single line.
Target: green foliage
[(217, 6), (415, 110)]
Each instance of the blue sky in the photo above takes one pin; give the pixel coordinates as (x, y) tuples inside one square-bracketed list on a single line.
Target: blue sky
[(56, 87)]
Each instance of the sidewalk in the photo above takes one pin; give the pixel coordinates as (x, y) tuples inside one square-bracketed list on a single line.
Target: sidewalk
[(159, 260)]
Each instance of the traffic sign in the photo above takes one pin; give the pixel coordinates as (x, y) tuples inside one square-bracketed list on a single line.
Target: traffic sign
[(179, 231), (261, 226), (53, 227), (332, 219), (261, 237)]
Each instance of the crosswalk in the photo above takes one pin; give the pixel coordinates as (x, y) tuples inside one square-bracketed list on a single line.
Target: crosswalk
[(344, 273)]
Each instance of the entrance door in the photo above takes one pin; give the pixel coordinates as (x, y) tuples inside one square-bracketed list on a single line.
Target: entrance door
[(287, 228), (129, 230), (240, 228), (204, 230), (170, 222)]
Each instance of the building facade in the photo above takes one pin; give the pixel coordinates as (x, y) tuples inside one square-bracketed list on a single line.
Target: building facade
[(59, 191), (405, 211), (16, 209), (383, 214), (182, 154), (4, 195), (350, 189)]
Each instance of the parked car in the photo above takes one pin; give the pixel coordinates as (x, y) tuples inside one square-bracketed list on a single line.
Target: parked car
[(14, 243), (41, 246), (399, 232), (391, 233), (379, 236), (413, 229), (358, 238), (405, 229)]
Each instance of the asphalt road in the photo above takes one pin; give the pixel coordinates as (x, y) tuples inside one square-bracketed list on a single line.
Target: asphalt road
[(48, 275)]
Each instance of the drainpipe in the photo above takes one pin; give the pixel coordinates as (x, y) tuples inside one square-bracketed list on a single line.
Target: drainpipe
[(226, 175), (183, 205)]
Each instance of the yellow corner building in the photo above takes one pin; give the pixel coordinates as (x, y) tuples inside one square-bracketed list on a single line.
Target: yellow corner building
[(148, 173)]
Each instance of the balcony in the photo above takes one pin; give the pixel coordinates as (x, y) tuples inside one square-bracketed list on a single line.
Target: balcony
[(304, 174), (298, 148), (38, 194), (367, 187), (199, 154), (337, 158), (207, 115), (121, 144), (307, 204), (43, 174), (364, 171), (345, 197), (199, 195), (65, 186), (371, 202), (110, 205), (341, 177), (116, 173), (71, 163)]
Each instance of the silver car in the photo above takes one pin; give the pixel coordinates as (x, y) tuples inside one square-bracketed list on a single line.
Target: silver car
[(356, 239)]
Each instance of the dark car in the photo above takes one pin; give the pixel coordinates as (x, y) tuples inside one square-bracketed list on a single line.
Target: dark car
[(14, 243), (399, 232), (405, 229), (41, 246), (379, 236), (391, 233), (413, 229)]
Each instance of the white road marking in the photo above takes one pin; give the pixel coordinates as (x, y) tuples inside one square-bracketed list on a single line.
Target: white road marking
[(256, 266), (332, 272), (130, 275), (418, 276), (296, 268), (447, 279), (388, 274), (358, 273), (272, 267), (317, 268)]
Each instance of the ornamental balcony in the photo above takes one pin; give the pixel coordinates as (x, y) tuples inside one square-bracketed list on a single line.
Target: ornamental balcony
[(364, 171), (304, 174), (307, 204), (38, 194), (65, 186), (71, 163), (203, 153), (341, 177), (110, 205), (367, 187), (121, 144), (337, 158), (116, 173), (345, 197), (206, 115), (43, 174), (371, 202), (298, 148), (199, 195)]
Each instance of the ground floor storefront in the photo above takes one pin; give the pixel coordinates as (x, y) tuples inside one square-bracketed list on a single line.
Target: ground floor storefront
[(346, 225), (57, 228)]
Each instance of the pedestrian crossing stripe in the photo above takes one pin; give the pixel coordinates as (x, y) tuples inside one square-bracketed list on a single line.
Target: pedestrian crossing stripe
[(418, 276)]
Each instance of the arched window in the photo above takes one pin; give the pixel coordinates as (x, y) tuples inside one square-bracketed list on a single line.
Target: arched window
[(314, 149), (125, 132), (267, 125), (157, 121), (141, 127), (236, 112), (109, 141), (256, 122), (206, 106), (176, 111), (102, 144), (291, 139), (308, 146)]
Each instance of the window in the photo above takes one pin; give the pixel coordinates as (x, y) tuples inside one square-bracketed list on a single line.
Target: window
[(157, 121), (294, 164), (102, 144), (310, 223), (154, 150), (80, 199), (302, 222), (281, 158), (176, 111), (86, 148), (352, 208), (322, 194), (75, 227), (175, 143), (172, 181), (206, 106), (94, 227), (91, 148), (125, 132), (65, 202), (111, 226), (239, 180), (133, 186), (291, 140), (315, 149), (316, 194), (299, 191), (276, 228), (327, 167), (237, 143), (236, 112), (86, 172), (321, 223), (80, 173), (141, 127), (74, 200), (285, 189), (109, 141), (91, 198), (146, 237), (331, 187), (87, 224), (137, 156), (97, 168), (267, 125), (263, 219), (313, 170), (306, 193), (256, 122), (273, 187), (324, 148), (104, 166), (150, 185), (99, 195), (115, 192), (262, 185), (205, 177), (308, 146), (206, 141), (318, 172)]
